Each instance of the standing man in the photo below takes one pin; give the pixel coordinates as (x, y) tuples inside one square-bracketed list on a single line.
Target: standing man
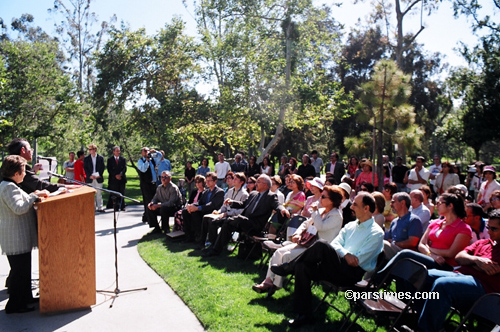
[(147, 179), (385, 161), (434, 170), (163, 165), (78, 167), (344, 261), (418, 175), (166, 201), (69, 166), (399, 173), (405, 230), (31, 182), (419, 209), (317, 163), (335, 168), (93, 164), (238, 165), (117, 168), (306, 170), (221, 169)]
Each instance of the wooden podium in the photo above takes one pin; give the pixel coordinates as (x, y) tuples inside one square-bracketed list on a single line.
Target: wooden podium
[(66, 242)]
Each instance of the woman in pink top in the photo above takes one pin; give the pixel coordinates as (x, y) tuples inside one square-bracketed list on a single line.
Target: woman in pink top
[(442, 240), (366, 175)]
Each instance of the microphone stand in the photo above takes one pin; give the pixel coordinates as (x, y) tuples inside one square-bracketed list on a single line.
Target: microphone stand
[(117, 199)]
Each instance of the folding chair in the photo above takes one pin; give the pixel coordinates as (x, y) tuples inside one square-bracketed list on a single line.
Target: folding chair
[(269, 247), (407, 270), (362, 286), (487, 307)]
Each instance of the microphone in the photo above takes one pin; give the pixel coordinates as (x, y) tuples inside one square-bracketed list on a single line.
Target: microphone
[(45, 158), (56, 175)]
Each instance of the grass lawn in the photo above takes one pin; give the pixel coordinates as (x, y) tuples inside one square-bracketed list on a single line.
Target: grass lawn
[(218, 290)]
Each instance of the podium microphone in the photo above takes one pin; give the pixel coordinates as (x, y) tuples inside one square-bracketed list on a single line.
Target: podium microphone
[(45, 158), (56, 175)]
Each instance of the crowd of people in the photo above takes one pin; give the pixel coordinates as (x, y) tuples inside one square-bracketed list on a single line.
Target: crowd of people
[(449, 223), (432, 215)]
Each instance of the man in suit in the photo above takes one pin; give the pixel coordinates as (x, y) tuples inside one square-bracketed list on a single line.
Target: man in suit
[(31, 182), (335, 168), (256, 212), (93, 165), (117, 168), (211, 199)]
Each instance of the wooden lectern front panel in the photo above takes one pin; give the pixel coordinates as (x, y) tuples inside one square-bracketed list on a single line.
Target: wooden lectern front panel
[(66, 242)]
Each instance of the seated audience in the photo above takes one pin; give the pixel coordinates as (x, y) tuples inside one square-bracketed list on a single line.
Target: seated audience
[(419, 209), (479, 274), (256, 212), (211, 222), (487, 187), (295, 199), (276, 184), (442, 240), (306, 170), (315, 186), (389, 190), (347, 212), (266, 166), (428, 199), (250, 184), (166, 201), (379, 209), (405, 230), (476, 222), (326, 222), (211, 199), (343, 262), (194, 196)]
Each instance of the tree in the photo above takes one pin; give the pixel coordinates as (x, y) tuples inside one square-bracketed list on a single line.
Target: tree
[(479, 87), (79, 39), (275, 55), (37, 96), (384, 103)]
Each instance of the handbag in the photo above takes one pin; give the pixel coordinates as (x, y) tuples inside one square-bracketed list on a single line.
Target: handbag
[(308, 237)]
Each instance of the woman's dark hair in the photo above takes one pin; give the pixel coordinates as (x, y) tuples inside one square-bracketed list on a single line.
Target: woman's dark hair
[(458, 204), (200, 178), (268, 160), (12, 165), (450, 166), (241, 176), (387, 173), (295, 162), (253, 158), (204, 159), (298, 180), (355, 158), (426, 190), (252, 179), (335, 194), (369, 186), (392, 187)]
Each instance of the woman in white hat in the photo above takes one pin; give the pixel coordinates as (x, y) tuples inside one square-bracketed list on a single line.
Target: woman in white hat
[(316, 187)]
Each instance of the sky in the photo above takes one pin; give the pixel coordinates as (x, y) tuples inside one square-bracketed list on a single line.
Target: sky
[(442, 33)]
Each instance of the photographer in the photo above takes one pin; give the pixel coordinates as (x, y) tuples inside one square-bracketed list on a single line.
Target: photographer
[(147, 177)]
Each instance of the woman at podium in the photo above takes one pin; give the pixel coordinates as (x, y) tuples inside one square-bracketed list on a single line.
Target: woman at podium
[(18, 233)]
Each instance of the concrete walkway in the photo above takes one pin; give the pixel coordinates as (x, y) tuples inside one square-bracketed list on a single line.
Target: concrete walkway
[(156, 309)]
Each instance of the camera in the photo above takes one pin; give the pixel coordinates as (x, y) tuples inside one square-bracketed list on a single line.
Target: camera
[(153, 155)]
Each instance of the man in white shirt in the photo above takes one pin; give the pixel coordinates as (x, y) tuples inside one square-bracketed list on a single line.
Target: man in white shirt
[(317, 162), (434, 170), (418, 175), (221, 169)]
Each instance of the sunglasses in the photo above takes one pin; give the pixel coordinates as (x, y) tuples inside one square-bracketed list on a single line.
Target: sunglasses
[(324, 197), (495, 199), (165, 177), (250, 182), (493, 229)]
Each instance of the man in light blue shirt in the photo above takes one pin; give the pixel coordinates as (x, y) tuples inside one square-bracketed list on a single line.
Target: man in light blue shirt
[(343, 262)]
